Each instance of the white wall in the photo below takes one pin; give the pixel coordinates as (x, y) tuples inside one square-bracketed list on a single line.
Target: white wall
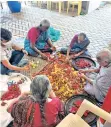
[(93, 5)]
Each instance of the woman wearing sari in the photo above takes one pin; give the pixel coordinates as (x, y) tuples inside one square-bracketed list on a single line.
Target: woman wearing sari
[(77, 47), (37, 109), (38, 41)]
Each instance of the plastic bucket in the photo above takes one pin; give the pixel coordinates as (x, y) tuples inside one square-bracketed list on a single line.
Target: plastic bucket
[(14, 6)]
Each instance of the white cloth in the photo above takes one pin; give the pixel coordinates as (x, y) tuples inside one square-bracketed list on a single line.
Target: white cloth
[(5, 117), (89, 89), (3, 82), (101, 84), (6, 52)]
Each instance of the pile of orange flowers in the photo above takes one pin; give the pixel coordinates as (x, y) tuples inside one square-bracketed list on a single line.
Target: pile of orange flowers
[(64, 79)]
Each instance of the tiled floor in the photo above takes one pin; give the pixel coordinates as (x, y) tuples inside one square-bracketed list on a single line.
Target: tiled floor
[(97, 25)]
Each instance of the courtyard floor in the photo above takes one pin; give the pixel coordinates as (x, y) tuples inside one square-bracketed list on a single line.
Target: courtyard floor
[(97, 25)]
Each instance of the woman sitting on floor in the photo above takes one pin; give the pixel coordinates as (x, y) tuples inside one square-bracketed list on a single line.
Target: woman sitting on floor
[(37, 109), (11, 54), (101, 84), (38, 41), (77, 47)]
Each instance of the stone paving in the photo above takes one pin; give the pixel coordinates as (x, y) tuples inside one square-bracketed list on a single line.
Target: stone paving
[(97, 25)]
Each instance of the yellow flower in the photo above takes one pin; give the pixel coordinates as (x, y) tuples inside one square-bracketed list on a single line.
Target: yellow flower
[(75, 72), (83, 79)]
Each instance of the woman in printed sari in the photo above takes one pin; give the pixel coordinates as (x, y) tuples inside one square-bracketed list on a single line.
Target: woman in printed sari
[(37, 109), (77, 47), (38, 41)]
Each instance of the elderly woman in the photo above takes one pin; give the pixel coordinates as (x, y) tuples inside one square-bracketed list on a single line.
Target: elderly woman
[(38, 41), (37, 109), (77, 47), (100, 85)]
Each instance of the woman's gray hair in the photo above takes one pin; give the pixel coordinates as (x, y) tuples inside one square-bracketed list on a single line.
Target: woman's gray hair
[(104, 55), (45, 23), (40, 88)]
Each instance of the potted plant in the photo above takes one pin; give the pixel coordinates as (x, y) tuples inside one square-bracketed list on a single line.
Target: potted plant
[(14, 6)]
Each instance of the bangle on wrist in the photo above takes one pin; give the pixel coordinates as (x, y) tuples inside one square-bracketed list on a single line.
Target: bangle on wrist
[(22, 49)]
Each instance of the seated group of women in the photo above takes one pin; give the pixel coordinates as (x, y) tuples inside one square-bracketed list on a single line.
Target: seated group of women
[(41, 107), (36, 43)]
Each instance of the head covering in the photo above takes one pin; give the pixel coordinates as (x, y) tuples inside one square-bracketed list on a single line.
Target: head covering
[(45, 23)]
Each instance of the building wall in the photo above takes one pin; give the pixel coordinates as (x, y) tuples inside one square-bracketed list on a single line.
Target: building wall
[(89, 6), (93, 5)]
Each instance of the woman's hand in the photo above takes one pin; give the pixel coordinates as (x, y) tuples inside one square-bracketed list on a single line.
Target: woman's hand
[(53, 48), (83, 71), (89, 71), (74, 55), (44, 56), (51, 45), (25, 52), (25, 94), (25, 68), (82, 75), (67, 59)]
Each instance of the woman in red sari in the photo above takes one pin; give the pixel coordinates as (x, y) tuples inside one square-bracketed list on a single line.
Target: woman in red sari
[(37, 109)]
